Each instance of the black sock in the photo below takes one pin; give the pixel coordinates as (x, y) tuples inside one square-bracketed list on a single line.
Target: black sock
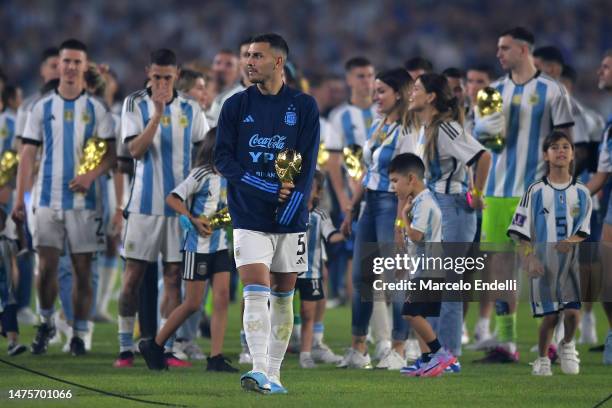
[(434, 346), (425, 357)]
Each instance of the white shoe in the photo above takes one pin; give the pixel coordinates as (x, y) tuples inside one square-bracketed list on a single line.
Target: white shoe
[(412, 350), (482, 331), (484, 345), (332, 303), (568, 357), (541, 367), (178, 349), (465, 337), (354, 359), (26, 317), (392, 361), (588, 333), (382, 349), (192, 350), (245, 357), (306, 361), (323, 354), (89, 335)]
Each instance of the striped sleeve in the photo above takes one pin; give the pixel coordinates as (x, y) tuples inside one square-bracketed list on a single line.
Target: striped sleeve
[(131, 118), (192, 183), (327, 226), (455, 142), (522, 219)]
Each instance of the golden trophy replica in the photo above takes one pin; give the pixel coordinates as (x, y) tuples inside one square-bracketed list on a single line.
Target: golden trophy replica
[(323, 155), (288, 164), (220, 219), (93, 153), (353, 155), (8, 166), (489, 101)]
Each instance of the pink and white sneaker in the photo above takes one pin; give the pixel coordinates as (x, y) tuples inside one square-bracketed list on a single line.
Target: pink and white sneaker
[(438, 364)]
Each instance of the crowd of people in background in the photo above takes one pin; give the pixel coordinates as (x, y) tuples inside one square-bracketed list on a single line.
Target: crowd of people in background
[(79, 233)]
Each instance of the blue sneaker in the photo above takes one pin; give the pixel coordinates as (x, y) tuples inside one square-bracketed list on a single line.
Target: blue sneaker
[(453, 368), (255, 381), (277, 388), (607, 357), (412, 368)]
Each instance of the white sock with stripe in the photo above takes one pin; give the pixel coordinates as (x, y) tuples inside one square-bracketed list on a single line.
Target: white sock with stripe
[(281, 317), (256, 324)]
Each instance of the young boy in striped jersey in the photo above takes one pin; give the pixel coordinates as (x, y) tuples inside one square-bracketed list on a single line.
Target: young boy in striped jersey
[(310, 283), (205, 257), (554, 209), (422, 218)]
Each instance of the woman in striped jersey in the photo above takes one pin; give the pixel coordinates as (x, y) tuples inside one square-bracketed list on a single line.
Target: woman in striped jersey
[(389, 136), (448, 152)]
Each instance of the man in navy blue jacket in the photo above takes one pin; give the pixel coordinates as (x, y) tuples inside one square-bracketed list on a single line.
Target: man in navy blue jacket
[(269, 217)]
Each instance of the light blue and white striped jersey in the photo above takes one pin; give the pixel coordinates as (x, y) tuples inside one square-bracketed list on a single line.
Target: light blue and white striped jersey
[(168, 159), (63, 127), (427, 217), (23, 111), (7, 130), (320, 228), (588, 124), (456, 150), (552, 213), (531, 111), (377, 155), (605, 150), (351, 125), (204, 192)]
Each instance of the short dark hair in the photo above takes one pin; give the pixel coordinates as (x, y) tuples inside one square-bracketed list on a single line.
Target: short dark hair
[(357, 62), (407, 163), (187, 79), (245, 41), (48, 53), (416, 63), (206, 151), (520, 33), (73, 44), (486, 68), (453, 72), (549, 53), (569, 73), (163, 57), (9, 92), (276, 41)]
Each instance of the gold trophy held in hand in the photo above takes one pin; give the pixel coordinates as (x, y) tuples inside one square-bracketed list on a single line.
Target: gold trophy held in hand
[(93, 154), (220, 219), (353, 156), (8, 166), (488, 102), (323, 155), (288, 164)]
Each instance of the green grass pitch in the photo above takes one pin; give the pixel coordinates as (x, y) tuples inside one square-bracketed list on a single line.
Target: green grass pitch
[(476, 386)]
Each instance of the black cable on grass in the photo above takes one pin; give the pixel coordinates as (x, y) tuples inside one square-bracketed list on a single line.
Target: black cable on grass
[(110, 394), (600, 404)]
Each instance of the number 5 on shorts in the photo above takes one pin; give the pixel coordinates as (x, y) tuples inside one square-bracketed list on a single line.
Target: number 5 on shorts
[(301, 245)]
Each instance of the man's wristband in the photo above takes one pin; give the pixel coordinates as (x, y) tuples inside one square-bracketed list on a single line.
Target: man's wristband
[(476, 192)]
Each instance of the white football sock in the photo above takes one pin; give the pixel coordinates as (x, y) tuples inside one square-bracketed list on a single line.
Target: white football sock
[(281, 317), (256, 324)]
